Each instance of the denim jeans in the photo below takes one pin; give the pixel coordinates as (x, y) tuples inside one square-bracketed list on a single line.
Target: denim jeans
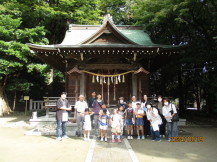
[(155, 135), (96, 123), (172, 129), (61, 125)]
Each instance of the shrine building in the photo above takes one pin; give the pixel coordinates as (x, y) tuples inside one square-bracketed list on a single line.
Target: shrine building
[(113, 60)]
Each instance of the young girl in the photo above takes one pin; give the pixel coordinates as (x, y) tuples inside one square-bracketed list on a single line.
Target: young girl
[(116, 125), (121, 112), (139, 113), (129, 118), (103, 125), (87, 123)]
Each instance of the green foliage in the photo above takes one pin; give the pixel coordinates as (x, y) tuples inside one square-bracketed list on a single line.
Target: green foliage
[(182, 22)]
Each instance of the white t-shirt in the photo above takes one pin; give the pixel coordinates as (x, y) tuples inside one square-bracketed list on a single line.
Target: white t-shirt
[(134, 104), (166, 111), (116, 120), (81, 106)]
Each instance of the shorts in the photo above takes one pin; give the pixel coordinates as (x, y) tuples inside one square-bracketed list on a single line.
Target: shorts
[(139, 121), (116, 129), (103, 127), (129, 122)]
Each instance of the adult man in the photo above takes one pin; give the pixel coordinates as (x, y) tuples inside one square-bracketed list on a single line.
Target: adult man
[(90, 104), (80, 107), (62, 116), (91, 99)]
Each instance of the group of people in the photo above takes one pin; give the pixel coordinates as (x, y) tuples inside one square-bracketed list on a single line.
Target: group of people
[(134, 118)]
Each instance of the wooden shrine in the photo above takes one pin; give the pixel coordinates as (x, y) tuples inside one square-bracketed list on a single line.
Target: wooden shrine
[(113, 60)]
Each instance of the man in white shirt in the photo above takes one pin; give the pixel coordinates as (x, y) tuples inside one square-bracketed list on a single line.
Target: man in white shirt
[(80, 107)]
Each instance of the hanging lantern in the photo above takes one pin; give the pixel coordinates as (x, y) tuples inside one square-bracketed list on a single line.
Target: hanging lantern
[(108, 81), (100, 80), (93, 79), (116, 80), (104, 80), (123, 79)]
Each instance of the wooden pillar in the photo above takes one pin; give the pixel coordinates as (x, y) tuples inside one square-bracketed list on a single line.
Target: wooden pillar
[(82, 84), (134, 85)]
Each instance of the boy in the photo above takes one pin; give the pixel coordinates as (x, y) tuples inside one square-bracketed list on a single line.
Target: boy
[(103, 118)]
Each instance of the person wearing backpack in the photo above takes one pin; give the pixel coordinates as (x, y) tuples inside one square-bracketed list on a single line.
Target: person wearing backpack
[(170, 114)]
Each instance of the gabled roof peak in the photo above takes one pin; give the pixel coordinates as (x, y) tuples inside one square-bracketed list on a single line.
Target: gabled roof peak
[(108, 17)]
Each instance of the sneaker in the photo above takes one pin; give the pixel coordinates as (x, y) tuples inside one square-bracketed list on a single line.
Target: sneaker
[(128, 137), (113, 141), (131, 137), (65, 137), (59, 138), (158, 140), (102, 139), (138, 137), (119, 140), (85, 139), (106, 140), (143, 137)]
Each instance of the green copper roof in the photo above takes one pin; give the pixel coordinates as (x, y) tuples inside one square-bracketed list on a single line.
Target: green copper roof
[(138, 36)]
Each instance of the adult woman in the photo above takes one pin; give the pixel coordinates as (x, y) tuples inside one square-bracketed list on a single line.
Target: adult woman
[(146, 121), (97, 106), (155, 122), (159, 106), (169, 110)]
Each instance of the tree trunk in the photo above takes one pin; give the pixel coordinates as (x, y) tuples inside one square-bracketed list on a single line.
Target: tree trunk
[(15, 98), (181, 98), (4, 106)]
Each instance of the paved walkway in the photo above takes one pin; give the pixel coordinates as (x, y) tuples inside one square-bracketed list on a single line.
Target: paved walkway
[(109, 152)]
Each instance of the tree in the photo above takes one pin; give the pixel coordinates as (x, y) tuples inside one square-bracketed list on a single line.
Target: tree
[(182, 22), (14, 53)]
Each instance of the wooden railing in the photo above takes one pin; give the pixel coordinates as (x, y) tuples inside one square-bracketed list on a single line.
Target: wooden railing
[(48, 102)]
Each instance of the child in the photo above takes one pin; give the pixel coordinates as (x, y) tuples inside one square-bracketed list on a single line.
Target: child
[(101, 112), (121, 112), (139, 113), (87, 123), (103, 118), (116, 125), (129, 118), (104, 107)]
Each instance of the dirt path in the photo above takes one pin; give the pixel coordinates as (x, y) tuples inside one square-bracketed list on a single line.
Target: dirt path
[(17, 147)]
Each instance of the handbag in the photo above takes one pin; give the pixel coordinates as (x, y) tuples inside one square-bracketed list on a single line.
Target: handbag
[(176, 116), (65, 116)]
